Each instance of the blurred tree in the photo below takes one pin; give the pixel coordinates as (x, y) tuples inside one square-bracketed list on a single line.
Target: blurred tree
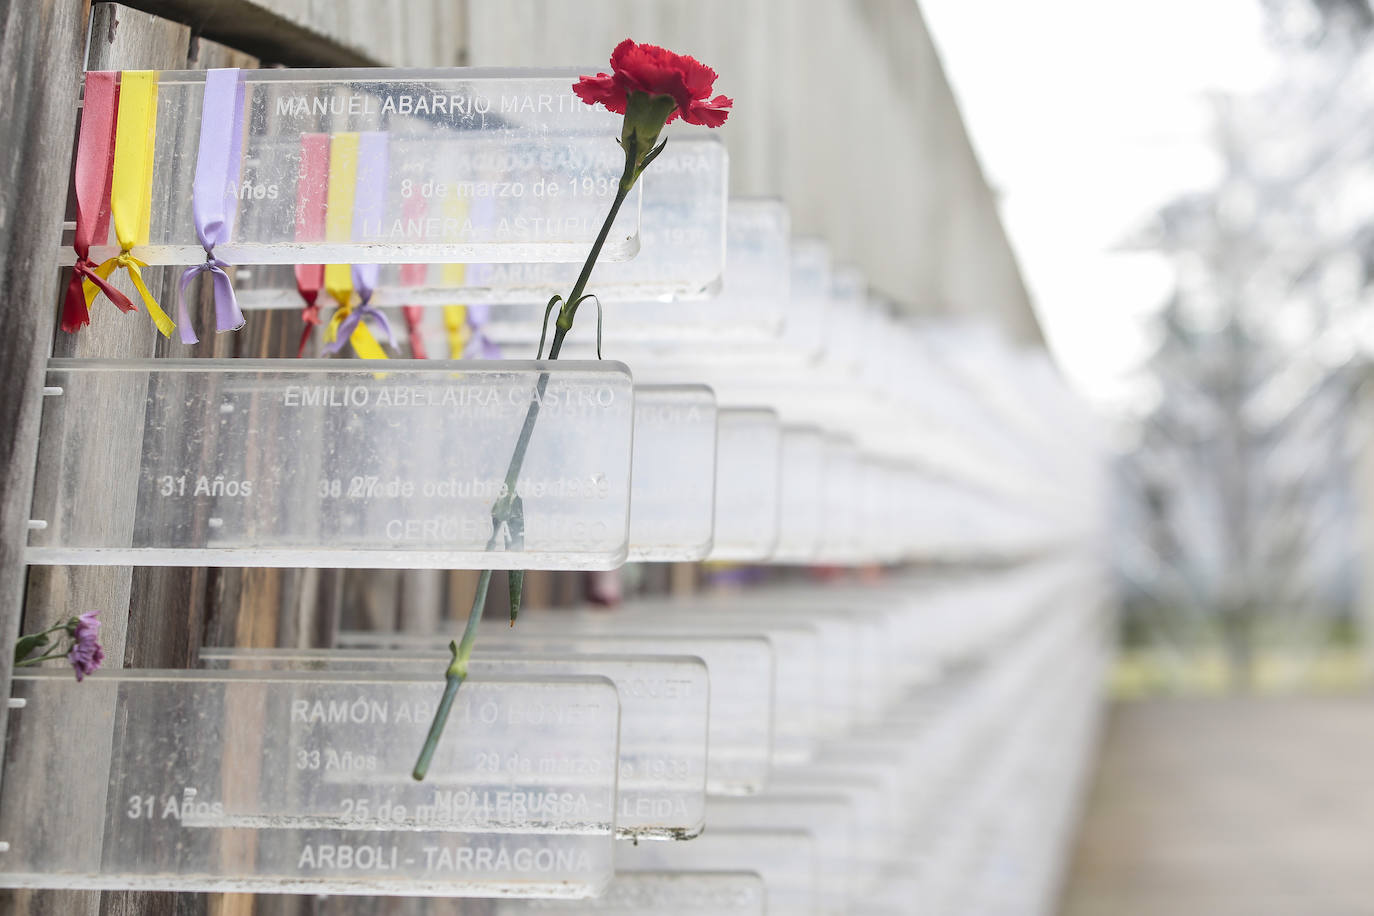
[(1243, 476)]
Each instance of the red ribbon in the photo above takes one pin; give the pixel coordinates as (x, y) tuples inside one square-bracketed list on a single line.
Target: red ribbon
[(414, 317), (312, 198), (413, 208), (309, 282), (91, 177)]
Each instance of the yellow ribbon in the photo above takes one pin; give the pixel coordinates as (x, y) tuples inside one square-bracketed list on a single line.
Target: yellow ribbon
[(338, 216), (338, 227), (365, 345), (456, 324), (454, 275), (131, 187)]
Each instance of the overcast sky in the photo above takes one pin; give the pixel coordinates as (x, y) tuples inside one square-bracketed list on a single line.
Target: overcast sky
[(1087, 116)]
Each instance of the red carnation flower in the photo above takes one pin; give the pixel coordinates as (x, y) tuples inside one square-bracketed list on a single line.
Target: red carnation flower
[(657, 71)]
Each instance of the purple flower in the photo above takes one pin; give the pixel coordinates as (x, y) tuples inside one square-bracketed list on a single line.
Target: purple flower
[(85, 654)]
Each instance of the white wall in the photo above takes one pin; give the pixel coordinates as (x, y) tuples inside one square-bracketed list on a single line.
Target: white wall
[(841, 109)]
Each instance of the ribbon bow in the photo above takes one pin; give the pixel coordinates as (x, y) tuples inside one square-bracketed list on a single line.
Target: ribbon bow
[(467, 336), (309, 279), (345, 321), (94, 163), (131, 181), (115, 151), (86, 283), (480, 346), (370, 158), (228, 315), (214, 202), (98, 281)]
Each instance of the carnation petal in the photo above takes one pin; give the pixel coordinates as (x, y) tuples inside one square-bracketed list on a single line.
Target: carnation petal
[(700, 79), (709, 114), (657, 71), (602, 89)]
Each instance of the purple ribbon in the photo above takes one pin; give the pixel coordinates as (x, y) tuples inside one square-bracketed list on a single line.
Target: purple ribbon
[(350, 324), (480, 346), (369, 209), (215, 199)]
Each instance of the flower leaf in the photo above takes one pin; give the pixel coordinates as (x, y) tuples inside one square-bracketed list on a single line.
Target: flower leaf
[(544, 328), (27, 645), (515, 540), (650, 157), (517, 586), (598, 328)]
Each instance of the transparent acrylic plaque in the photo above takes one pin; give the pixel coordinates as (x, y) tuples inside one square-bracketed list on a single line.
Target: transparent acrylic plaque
[(784, 859), (330, 463), (799, 654), (722, 893), (681, 253), (713, 893), (291, 782), (871, 804), (750, 304), (841, 498), (663, 717), (480, 165), (861, 640), (828, 818), (740, 667), (828, 640), (672, 495), (748, 443), (805, 331), (801, 519)]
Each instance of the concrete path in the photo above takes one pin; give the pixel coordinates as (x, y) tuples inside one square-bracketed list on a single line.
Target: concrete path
[(1230, 807)]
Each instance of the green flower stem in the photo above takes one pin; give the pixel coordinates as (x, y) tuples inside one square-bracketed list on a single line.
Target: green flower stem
[(60, 653), (500, 512), (35, 641)]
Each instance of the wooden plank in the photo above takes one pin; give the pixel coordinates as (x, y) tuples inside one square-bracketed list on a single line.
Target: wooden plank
[(40, 53), (153, 617), (40, 58), (55, 593), (343, 33)]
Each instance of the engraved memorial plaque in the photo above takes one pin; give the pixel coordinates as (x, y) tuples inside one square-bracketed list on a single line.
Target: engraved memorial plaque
[(292, 782), (828, 818), (871, 806), (784, 859), (801, 519), (681, 253), (480, 165), (750, 305), (740, 666), (672, 497), (331, 463), (663, 717), (799, 653), (748, 444), (696, 893), (631, 893)]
